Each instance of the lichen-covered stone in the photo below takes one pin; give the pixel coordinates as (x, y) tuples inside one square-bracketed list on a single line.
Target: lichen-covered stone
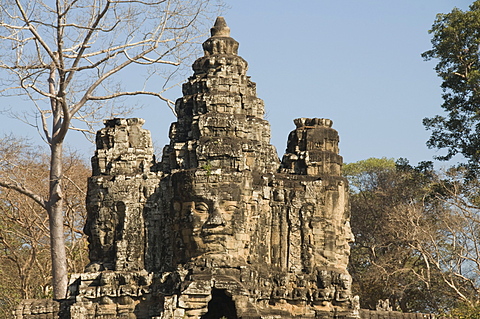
[(219, 227), (121, 184)]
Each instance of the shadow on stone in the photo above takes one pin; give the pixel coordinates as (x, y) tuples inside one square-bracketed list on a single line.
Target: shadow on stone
[(220, 227), (221, 306)]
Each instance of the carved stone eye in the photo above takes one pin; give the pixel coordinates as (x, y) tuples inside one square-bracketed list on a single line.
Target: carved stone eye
[(230, 208), (201, 207)]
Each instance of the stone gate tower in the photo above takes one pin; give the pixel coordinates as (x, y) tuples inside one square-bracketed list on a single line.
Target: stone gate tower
[(220, 227)]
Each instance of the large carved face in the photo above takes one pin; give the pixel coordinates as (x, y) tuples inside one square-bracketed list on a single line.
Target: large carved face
[(213, 215), (100, 229), (208, 222)]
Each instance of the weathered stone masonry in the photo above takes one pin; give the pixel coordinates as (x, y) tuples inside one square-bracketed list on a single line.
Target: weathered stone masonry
[(219, 227)]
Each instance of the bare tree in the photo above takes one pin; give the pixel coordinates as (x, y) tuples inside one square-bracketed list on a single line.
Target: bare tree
[(69, 57), (453, 248), (25, 264), (417, 236), (388, 208)]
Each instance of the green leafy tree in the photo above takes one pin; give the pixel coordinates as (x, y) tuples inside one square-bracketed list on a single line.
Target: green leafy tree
[(455, 44)]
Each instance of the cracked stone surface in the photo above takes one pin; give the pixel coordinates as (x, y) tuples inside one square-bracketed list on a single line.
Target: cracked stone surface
[(219, 227)]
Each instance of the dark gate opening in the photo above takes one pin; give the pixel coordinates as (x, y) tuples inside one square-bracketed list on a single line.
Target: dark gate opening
[(221, 306)]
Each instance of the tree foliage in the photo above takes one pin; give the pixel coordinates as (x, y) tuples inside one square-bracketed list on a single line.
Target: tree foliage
[(383, 261), (25, 265), (455, 44), (454, 248), (416, 236)]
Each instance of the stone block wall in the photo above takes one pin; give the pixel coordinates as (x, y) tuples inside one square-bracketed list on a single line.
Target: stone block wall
[(220, 226), (377, 314), (37, 309), (121, 183)]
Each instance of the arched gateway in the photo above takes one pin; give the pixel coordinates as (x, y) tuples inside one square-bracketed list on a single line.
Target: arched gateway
[(220, 227)]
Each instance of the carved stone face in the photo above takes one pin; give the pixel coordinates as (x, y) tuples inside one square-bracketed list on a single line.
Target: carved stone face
[(100, 229), (212, 217), (209, 222)]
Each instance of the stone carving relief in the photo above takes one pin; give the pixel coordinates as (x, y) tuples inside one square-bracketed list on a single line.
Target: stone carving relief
[(219, 226)]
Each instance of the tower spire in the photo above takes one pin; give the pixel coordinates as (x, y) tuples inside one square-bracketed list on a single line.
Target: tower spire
[(220, 42), (220, 118), (220, 28)]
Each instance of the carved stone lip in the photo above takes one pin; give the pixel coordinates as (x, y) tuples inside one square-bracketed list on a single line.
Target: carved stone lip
[(209, 233)]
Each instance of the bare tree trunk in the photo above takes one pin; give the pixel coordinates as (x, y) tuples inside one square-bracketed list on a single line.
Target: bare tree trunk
[(85, 67), (57, 234)]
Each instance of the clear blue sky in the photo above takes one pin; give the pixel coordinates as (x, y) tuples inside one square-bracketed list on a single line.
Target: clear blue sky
[(355, 62)]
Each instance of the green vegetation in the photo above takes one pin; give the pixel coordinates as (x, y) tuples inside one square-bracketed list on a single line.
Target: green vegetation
[(208, 167), (456, 39)]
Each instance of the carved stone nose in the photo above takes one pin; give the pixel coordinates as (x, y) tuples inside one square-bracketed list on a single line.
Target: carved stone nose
[(215, 219)]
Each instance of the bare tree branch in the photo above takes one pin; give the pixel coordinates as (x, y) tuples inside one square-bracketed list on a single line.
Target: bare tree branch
[(25, 191), (69, 56)]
